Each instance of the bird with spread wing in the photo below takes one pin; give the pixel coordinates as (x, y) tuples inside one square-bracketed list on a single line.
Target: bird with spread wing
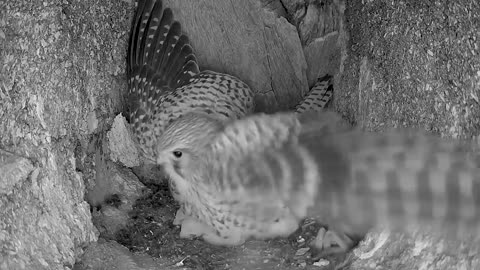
[(238, 176), (165, 81)]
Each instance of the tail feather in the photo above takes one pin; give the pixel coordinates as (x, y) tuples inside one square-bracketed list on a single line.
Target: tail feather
[(318, 97)]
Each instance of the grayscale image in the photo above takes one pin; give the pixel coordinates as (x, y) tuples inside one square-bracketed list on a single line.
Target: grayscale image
[(249, 134)]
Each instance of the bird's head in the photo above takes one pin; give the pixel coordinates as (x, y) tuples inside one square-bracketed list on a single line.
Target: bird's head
[(181, 147)]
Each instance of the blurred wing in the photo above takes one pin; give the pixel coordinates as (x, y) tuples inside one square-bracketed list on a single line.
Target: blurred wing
[(159, 60), (320, 167), (258, 158), (404, 177)]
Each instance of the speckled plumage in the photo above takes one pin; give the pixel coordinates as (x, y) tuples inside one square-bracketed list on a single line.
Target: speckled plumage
[(318, 97), (259, 176), (165, 81)]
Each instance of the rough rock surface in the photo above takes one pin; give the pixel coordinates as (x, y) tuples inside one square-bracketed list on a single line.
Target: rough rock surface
[(14, 169), (413, 64), (121, 144), (59, 60)]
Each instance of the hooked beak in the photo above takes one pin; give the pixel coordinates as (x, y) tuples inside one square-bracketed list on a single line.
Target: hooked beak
[(161, 160), (162, 164)]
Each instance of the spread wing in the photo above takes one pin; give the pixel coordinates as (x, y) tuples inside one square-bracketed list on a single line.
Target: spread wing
[(159, 60), (165, 81), (317, 166)]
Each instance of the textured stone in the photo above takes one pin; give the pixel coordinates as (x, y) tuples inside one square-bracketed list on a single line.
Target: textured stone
[(121, 144), (58, 62), (398, 71), (14, 169), (323, 57)]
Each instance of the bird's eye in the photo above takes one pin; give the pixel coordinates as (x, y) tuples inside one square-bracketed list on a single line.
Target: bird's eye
[(177, 154)]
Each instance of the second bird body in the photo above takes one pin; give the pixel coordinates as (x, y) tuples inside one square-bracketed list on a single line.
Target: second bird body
[(271, 171)]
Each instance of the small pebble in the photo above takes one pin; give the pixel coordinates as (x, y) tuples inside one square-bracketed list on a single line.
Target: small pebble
[(301, 251)]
